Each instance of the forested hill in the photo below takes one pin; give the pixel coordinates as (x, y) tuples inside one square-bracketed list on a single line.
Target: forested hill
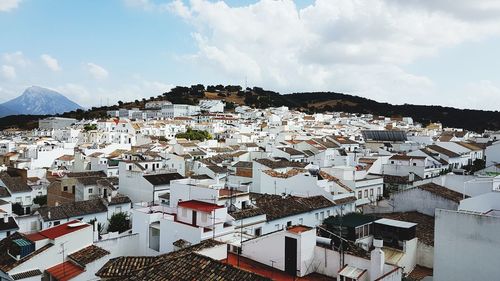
[(475, 120)]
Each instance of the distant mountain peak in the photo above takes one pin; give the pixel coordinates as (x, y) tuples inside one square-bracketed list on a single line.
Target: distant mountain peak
[(39, 101)]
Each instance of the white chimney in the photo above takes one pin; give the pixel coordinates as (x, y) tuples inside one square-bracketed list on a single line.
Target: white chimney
[(6, 218), (48, 215), (96, 231), (109, 198), (411, 177), (377, 260)]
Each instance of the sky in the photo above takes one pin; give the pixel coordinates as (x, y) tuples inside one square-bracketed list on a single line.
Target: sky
[(443, 52)]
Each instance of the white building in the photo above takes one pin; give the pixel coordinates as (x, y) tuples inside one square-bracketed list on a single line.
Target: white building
[(467, 241), (55, 123), (177, 110)]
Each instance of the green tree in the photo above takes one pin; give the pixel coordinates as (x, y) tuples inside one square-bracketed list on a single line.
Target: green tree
[(90, 127), (194, 135), (40, 200), (99, 225), (119, 222)]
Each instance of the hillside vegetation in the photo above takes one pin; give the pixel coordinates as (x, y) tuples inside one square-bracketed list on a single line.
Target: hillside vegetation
[(310, 102)]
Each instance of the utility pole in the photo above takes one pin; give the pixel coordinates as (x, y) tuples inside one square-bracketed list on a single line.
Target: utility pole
[(62, 252), (241, 242)]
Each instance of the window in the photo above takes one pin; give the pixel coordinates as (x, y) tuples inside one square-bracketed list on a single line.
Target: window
[(301, 221), (19, 199), (258, 231), (288, 223), (322, 215), (65, 188), (317, 216), (73, 189), (360, 195), (91, 190), (371, 192), (379, 192), (328, 213), (414, 164), (366, 193), (392, 162), (57, 223), (362, 231)]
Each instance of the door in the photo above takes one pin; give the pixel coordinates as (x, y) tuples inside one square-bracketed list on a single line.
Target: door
[(194, 218), (291, 256)]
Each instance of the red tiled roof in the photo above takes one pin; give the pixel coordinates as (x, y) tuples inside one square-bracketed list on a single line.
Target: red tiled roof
[(199, 205), (62, 229), (297, 229), (35, 237), (64, 271)]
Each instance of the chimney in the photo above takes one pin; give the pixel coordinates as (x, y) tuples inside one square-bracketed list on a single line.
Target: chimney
[(48, 215), (377, 260), (109, 198), (6, 218), (96, 231)]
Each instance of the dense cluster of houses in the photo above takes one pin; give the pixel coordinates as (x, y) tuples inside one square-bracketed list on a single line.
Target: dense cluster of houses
[(270, 194)]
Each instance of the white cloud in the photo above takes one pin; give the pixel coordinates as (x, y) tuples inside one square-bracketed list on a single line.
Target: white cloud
[(8, 5), (361, 47), (135, 88), (16, 58), (482, 94), (97, 71), (9, 72), (50, 62)]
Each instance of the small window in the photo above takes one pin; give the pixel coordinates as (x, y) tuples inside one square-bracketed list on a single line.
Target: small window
[(366, 193), (65, 188), (392, 162), (91, 190), (258, 231), (288, 223), (360, 195), (414, 164), (371, 192), (316, 216), (57, 223)]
